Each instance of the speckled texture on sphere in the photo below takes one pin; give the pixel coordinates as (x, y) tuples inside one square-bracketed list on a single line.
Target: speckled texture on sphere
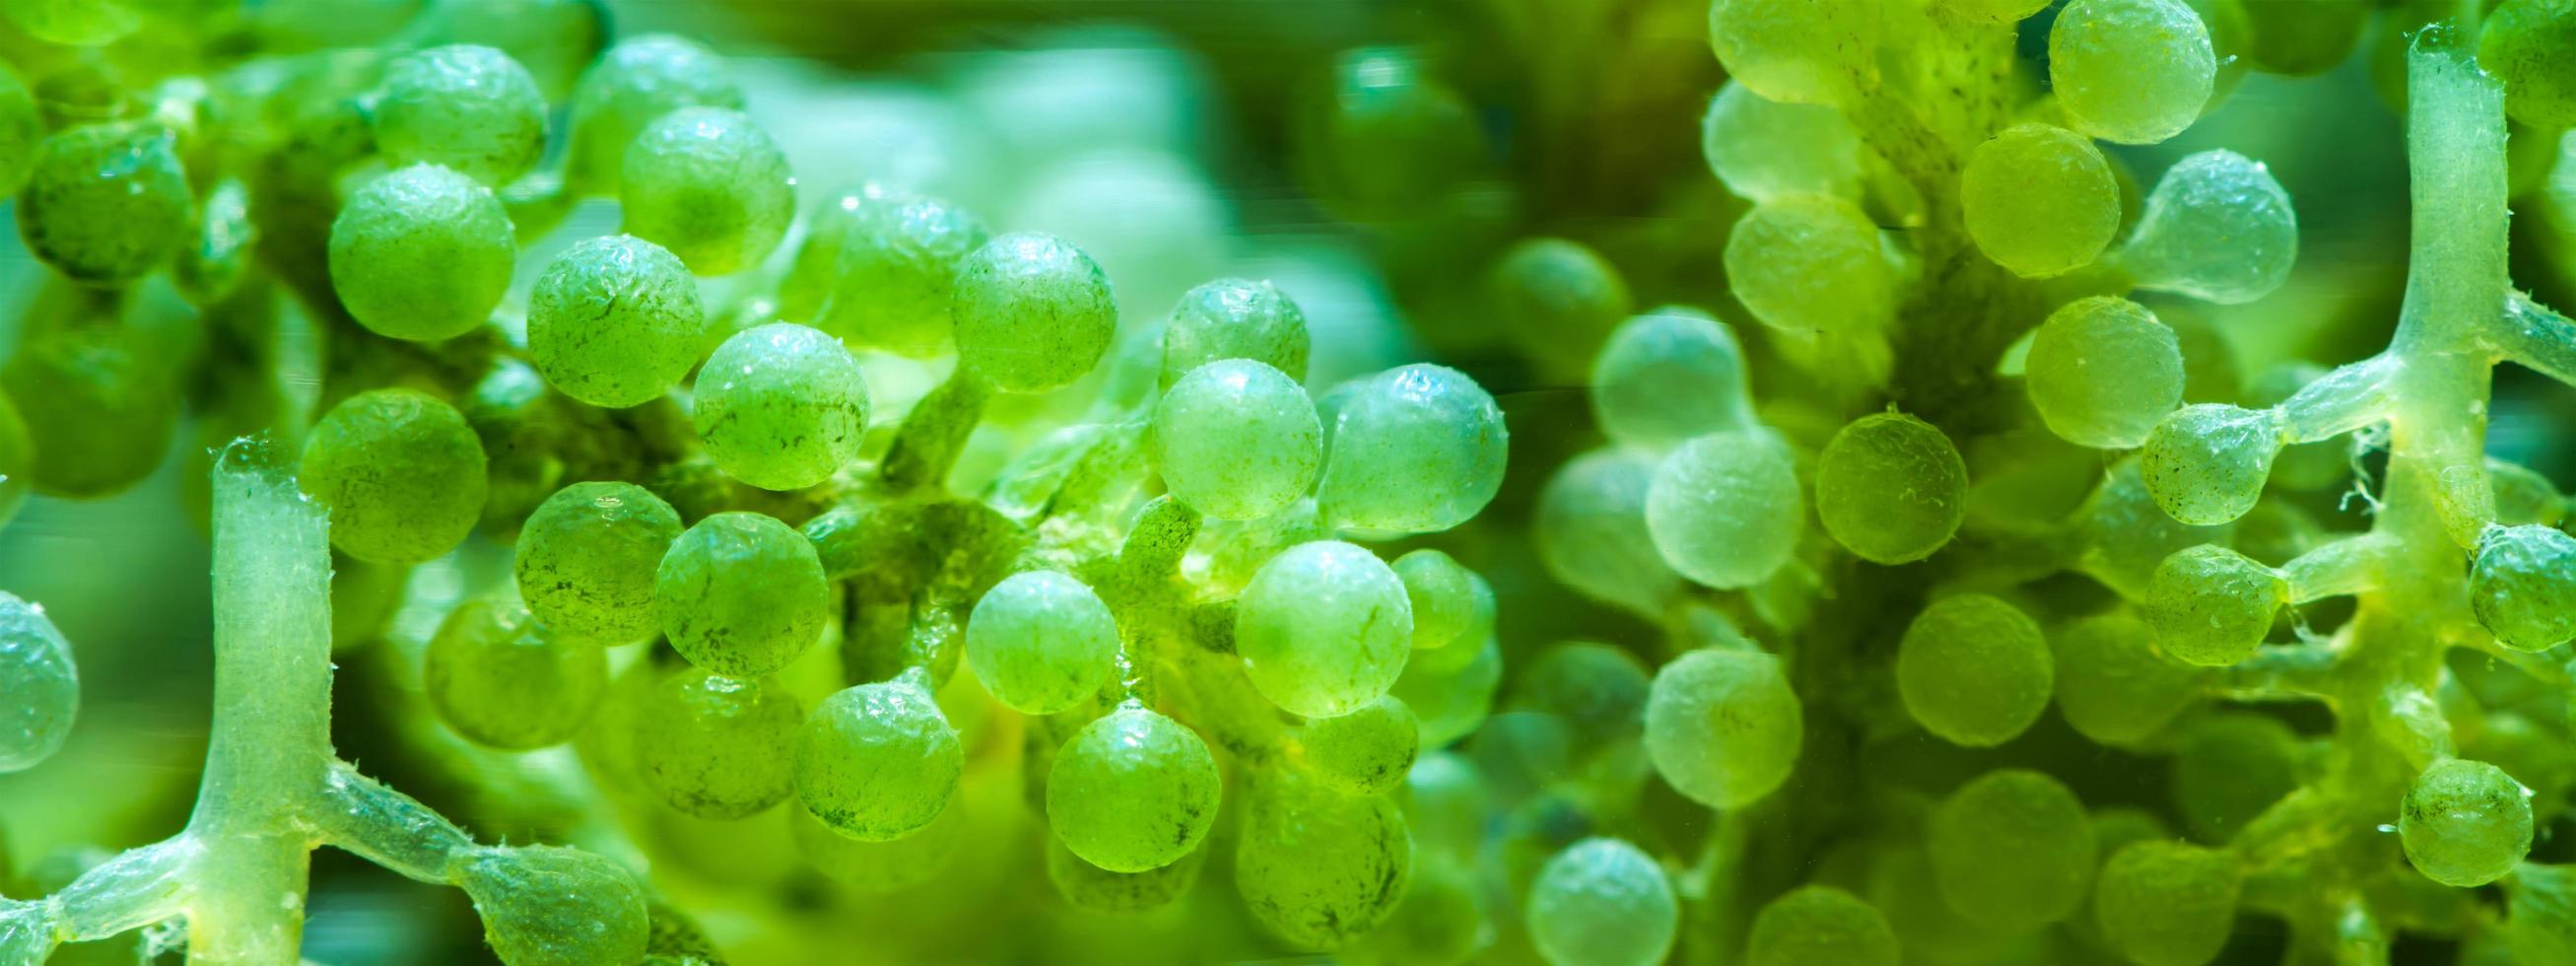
[(1602, 902), (878, 761), (1041, 642), (1324, 628), (2102, 371), (1722, 726), (1317, 867), (782, 406), (106, 203), (1237, 440), (1726, 509), (1418, 449), (2523, 586), (1811, 263), (41, 684), (587, 557), (2166, 903), (1365, 752), (1891, 488), (2012, 850), (2217, 227), (503, 682), (640, 79), (1132, 791), (1814, 925), (2206, 464), (615, 321), (2131, 71), (708, 184), (892, 265), (467, 107), (422, 253), (2465, 823), (717, 747), (1234, 318), (2039, 200), (741, 594), (2530, 43), (2211, 605), (1974, 670), (95, 406), (549, 906), (1797, 51), (1032, 312), (400, 471)]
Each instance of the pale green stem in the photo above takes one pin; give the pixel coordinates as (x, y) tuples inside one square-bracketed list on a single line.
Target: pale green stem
[(387, 827), (926, 445), (2280, 672), (2536, 337), (135, 889), (2350, 566), (2349, 398)]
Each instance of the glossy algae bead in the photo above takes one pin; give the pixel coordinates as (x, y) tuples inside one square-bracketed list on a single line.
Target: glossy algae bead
[(2217, 227), (1324, 628), (878, 761), (2206, 464), (1725, 510), (1237, 440), (1973, 670), (615, 321), (633, 83), (1449, 703), (1797, 51), (1317, 867), (548, 906), (1602, 902), (708, 184), (2164, 903), (2528, 44), (1891, 488), (2212, 606), (1032, 313), (1812, 263), (95, 409), (1416, 449), (1722, 726), (1041, 642), (893, 262), (1365, 752), (504, 681), (1233, 318), (781, 406), (2112, 683), (105, 204), (402, 474), (422, 253), (2523, 586), (1132, 791), (2103, 371), (1669, 376), (41, 682), (741, 594), (1762, 149), (2039, 200), (587, 557), (717, 747), (1592, 535), (1815, 925), (1443, 594), (469, 108), (2012, 850), (1556, 298), (2465, 823), (2131, 71)]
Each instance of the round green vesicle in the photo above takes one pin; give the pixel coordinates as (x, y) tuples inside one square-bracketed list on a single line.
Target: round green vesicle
[(467, 107), (1041, 642), (2012, 850), (1133, 791), (2131, 71), (1417, 449), (2229, 768), (1670, 376), (1812, 263), (717, 747), (587, 557), (422, 253), (2112, 684), (741, 594), (544, 905), (1233, 318), (1237, 440), (1365, 752), (2217, 227), (1324, 628), (2523, 586), (2206, 464), (1762, 149), (2212, 606), (1032, 312), (781, 406), (1317, 867), (2164, 903), (892, 264), (1443, 594), (2528, 44), (106, 204), (94, 409), (2039, 200), (401, 472), (615, 321), (1450, 702), (1817, 925), (2102, 371), (1725, 510), (1891, 488), (1591, 530), (1602, 902), (1797, 51), (1556, 299), (1722, 726), (2465, 823), (1974, 670), (41, 682), (878, 761), (708, 184), (504, 681), (634, 82)]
